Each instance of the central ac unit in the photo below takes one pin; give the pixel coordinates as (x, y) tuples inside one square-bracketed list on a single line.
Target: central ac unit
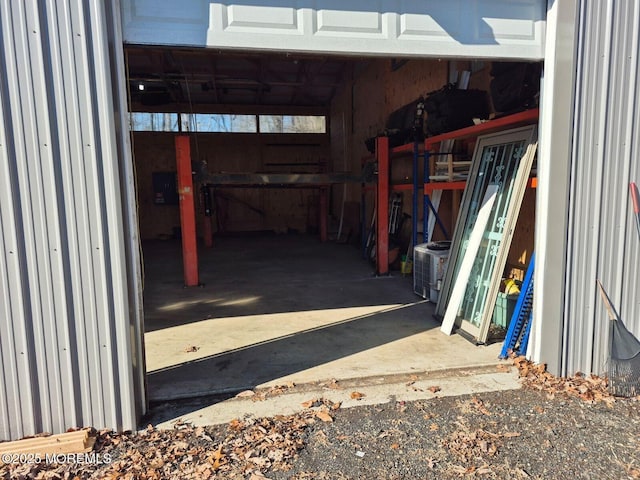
[(429, 266)]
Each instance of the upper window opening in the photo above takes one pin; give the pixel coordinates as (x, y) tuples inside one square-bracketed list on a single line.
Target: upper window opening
[(153, 122), (218, 122), (226, 123), (292, 124)]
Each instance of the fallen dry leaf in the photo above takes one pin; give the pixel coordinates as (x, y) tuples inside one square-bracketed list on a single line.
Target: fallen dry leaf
[(324, 416), (332, 384), (275, 391), (434, 389), (433, 427), (413, 387), (357, 395), (191, 348), (246, 394), (479, 405), (218, 458), (156, 463), (236, 424), (395, 446), (308, 403)]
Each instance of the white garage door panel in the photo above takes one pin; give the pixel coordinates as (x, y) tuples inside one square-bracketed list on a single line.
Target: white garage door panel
[(165, 22), (245, 19), (336, 23), (443, 20), (436, 28), (509, 20)]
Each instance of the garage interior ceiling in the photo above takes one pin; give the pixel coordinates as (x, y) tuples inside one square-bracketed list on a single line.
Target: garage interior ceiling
[(210, 79)]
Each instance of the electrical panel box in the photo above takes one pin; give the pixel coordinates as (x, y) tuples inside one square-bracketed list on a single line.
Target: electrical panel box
[(165, 188)]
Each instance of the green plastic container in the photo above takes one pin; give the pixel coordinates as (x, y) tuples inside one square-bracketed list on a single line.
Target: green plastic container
[(503, 311)]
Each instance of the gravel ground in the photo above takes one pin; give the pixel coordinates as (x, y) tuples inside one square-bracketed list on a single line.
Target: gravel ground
[(514, 434), (552, 428)]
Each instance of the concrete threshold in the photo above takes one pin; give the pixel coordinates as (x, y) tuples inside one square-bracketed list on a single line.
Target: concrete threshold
[(288, 399)]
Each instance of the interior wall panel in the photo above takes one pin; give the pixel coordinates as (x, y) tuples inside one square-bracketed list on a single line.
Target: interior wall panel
[(235, 209), (66, 280)]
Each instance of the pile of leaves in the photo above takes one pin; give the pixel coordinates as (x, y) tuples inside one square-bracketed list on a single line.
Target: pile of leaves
[(470, 445), (590, 388), (263, 394), (242, 449)]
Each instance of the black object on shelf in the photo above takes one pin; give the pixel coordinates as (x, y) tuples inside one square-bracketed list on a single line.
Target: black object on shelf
[(404, 125), (450, 109), (515, 86)]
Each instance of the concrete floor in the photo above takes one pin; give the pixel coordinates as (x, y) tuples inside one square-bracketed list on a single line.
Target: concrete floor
[(276, 309)]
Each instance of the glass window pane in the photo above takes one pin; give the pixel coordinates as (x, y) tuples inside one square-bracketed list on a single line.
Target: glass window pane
[(293, 124), (500, 164), (218, 122), (153, 122)]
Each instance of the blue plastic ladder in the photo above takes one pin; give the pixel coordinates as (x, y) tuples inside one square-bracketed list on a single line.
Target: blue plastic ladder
[(518, 333)]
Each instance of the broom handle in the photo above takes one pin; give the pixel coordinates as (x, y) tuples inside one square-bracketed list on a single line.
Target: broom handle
[(607, 302), (635, 198)]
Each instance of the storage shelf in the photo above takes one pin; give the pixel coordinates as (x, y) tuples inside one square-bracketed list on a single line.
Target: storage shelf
[(521, 118), (406, 148), (422, 150), (430, 187), (455, 163)]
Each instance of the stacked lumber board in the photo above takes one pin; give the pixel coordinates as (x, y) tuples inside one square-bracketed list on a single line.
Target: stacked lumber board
[(79, 441)]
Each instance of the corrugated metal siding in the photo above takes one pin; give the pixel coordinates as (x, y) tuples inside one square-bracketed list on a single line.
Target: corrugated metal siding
[(602, 239), (68, 296)]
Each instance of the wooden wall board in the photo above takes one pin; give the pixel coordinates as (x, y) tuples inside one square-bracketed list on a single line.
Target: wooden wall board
[(375, 92), (284, 208)]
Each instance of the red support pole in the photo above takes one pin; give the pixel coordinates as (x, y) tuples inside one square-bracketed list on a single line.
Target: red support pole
[(382, 200), (187, 211), (324, 215)]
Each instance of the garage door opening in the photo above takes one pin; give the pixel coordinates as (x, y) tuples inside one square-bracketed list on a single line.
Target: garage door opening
[(288, 291)]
